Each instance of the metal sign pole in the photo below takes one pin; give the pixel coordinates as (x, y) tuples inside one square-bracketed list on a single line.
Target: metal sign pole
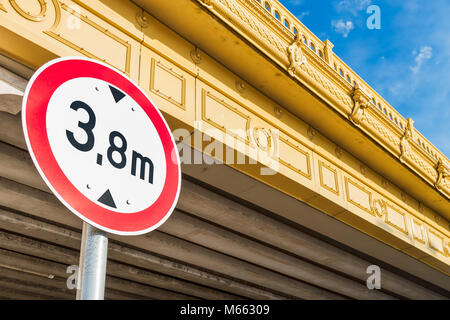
[(92, 271)]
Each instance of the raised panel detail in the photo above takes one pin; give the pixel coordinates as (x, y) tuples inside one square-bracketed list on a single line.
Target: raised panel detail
[(168, 84), (31, 10), (358, 195), (299, 160), (396, 219), (220, 114), (328, 177), (418, 231), (436, 241), (113, 50)]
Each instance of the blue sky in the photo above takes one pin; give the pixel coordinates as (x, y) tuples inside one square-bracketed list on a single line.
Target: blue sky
[(407, 61)]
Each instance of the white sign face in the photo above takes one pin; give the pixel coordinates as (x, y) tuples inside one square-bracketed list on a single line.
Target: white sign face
[(105, 145), (101, 145)]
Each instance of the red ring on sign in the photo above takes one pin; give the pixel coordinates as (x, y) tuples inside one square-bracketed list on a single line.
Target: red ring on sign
[(38, 95)]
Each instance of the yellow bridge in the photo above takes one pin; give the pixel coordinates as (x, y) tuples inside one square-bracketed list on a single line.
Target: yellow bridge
[(332, 179)]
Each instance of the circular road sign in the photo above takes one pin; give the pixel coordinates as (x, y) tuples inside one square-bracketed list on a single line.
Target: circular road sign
[(101, 145)]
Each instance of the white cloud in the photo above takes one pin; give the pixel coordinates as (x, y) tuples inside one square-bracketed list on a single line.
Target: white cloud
[(302, 15), (342, 27), (352, 6), (295, 2), (426, 53)]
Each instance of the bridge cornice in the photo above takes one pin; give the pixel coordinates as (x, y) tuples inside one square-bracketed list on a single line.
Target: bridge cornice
[(261, 26)]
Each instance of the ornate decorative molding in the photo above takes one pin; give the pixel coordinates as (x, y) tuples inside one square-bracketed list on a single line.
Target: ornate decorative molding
[(141, 19), (311, 133), (379, 207), (264, 143), (373, 125), (361, 102), (27, 15), (323, 83), (404, 142), (207, 3), (328, 51), (196, 56), (232, 9), (250, 18), (240, 86), (244, 18), (443, 171), (278, 112), (296, 57)]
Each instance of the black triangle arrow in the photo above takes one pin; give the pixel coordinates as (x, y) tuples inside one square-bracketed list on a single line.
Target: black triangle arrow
[(107, 199), (117, 94)]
